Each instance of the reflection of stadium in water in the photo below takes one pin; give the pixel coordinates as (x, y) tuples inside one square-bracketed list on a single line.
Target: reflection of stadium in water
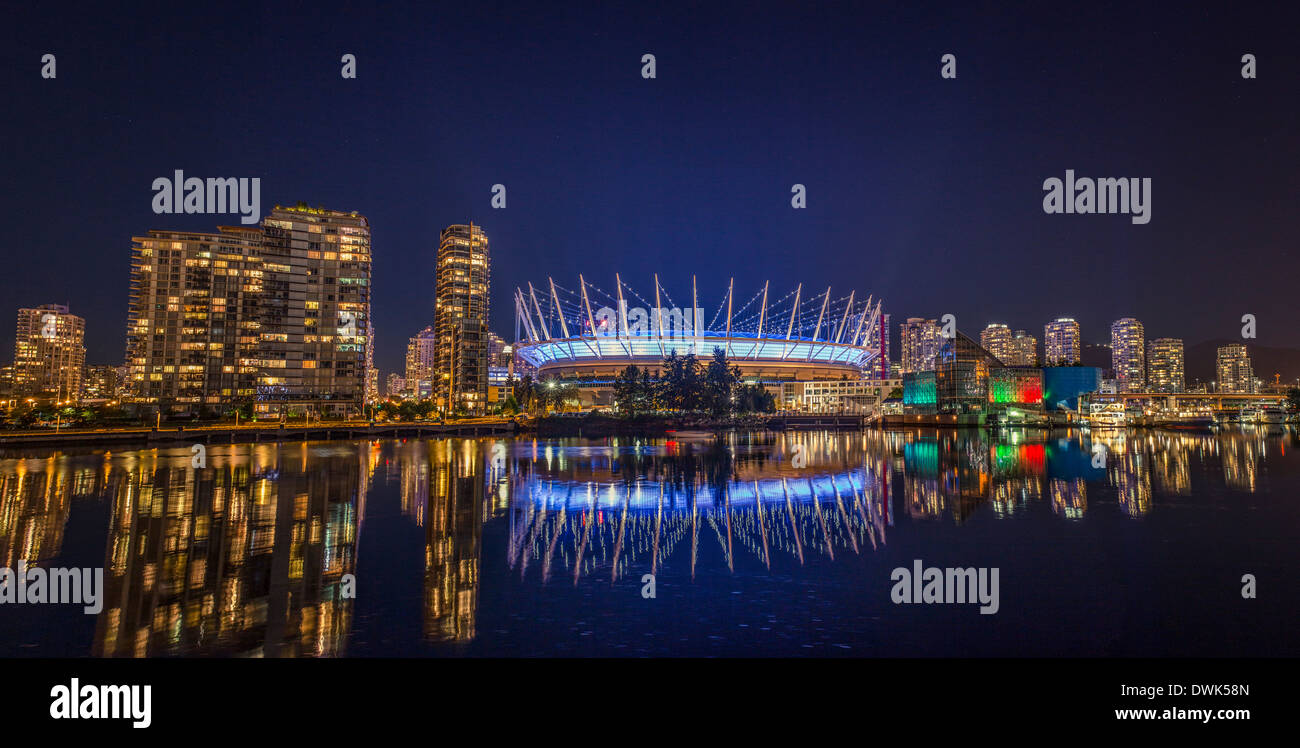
[(635, 504), (630, 504)]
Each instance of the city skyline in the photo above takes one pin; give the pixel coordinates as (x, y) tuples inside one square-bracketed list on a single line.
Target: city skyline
[(201, 260), (1020, 347), (578, 138), (922, 335)]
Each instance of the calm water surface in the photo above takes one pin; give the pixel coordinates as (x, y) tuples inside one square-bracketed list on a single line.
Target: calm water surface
[(761, 544)]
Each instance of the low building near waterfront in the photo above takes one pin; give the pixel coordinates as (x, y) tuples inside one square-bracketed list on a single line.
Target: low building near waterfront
[(1062, 385), (838, 395), (969, 384)]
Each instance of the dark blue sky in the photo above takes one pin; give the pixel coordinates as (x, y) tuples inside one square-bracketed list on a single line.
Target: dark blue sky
[(926, 192)]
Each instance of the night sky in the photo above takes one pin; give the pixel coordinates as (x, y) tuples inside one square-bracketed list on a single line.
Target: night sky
[(924, 191)]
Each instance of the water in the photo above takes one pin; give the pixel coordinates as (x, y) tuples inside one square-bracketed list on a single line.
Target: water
[(765, 544)]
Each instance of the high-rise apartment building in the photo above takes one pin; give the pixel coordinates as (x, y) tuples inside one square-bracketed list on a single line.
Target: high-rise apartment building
[(277, 316), (996, 339), (372, 379), (1235, 374), (1128, 354), (420, 361), (315, 312), (192, 338), (1165, 372), (1061, 342), (49, 353), (101, 383), (461, 289), (499, 351), (396, 386), (920, 340), (879, 340), (1024, 350)]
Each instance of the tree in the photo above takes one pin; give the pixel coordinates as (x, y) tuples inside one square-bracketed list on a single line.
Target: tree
[(525, 392), (692, 394), (754, 398), (647, 392), (668, 391), (681, 386), (719, 384), (509, 406), (628, 395), (244, 411), (555, 393)]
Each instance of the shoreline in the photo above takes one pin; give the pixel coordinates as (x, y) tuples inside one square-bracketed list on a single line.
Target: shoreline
[(546, 427), (230, 434)]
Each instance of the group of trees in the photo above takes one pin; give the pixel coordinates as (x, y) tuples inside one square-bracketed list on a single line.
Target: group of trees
[(539, 395), (405, 410), (684, 385), (25, 414)]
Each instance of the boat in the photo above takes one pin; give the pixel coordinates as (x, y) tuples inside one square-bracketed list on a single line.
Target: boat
[(1271, 415), (687, 436), (1186, 421), (1107, 415)]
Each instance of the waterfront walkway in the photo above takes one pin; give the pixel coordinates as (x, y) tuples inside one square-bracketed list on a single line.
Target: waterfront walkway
[(259, 432)]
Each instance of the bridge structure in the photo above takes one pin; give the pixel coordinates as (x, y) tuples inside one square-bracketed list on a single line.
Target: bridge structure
[(1219, 404)]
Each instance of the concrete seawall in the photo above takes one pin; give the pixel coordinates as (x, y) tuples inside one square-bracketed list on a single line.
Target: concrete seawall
[(257, 433)]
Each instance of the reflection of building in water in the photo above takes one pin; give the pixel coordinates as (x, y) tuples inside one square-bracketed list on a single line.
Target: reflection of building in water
[(1241, 453), (1069, 498), (453, 535), (35, 498), (955, 473), (1018, 471), (609, 509), (1132, 480), (921, 493), (413, 462), (246, 556), (1169, 464)]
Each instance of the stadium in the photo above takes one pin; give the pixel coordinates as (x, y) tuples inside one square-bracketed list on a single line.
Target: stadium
[(590, 335)]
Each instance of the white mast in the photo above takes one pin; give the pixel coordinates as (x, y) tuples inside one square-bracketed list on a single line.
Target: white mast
[(762, 315), (825, 300), (731, 287), (659, 316), (591, 320), (545, 330)]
